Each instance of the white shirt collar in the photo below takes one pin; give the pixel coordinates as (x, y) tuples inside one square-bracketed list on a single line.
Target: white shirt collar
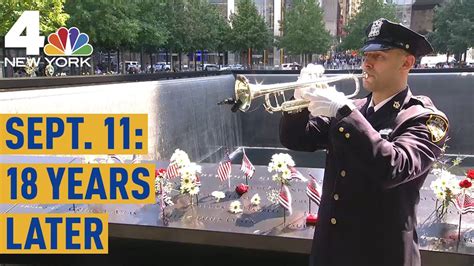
[(378, 106)]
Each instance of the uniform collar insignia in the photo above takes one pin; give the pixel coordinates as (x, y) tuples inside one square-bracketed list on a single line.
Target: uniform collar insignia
[(396, 104)]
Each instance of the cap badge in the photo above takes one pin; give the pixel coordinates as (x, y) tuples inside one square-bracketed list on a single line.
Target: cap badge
[(375, 29)]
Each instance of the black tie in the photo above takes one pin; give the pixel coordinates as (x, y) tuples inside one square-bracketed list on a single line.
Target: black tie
[(369, 112)]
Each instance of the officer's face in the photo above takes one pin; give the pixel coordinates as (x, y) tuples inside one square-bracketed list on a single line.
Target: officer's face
[(384, 68)]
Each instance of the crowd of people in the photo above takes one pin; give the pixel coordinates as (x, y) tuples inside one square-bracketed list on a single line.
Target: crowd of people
[(341, 60)]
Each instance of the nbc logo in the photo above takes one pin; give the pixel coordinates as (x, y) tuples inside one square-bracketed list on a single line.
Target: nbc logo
[(68, 42), (65, 48)]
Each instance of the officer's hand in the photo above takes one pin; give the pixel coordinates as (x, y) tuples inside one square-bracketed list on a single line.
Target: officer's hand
[(325, 102), (298, 94)]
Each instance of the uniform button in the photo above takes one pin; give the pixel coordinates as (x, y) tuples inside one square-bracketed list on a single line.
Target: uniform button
[(343, 173), (336, 197), (341, 129), (347, 135), (333, 220)]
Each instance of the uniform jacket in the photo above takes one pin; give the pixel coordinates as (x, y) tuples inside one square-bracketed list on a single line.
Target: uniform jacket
[(375, 167)]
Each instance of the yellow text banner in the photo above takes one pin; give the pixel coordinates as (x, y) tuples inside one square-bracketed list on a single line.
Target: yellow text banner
[(73, 133), (77, 183), (54, 233)]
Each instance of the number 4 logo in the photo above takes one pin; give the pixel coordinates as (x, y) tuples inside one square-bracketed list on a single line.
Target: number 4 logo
[(32, 41)]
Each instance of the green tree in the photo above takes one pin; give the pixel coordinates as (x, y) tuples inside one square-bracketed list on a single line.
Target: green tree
[(52, 15), (249, 30), (203, 25), (453, 28), (175, 17), (304, 30), (224, 36), (153, 32), (370, 10), (116, 24)]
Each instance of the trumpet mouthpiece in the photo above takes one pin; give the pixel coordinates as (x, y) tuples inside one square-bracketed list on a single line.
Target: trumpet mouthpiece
[(227, 101)]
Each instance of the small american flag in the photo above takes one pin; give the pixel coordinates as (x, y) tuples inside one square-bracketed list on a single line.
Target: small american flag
[(465, 203), (135, 159), (296, 174), (247, 166), (284, 198), (198, 180), (313, 190), (116, 158), (172, 170), (225, 166)]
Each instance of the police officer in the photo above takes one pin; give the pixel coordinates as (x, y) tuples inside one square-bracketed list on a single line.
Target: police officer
[(379, 152)]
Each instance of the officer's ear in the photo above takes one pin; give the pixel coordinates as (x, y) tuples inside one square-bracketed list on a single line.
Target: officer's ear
[(408, 60)]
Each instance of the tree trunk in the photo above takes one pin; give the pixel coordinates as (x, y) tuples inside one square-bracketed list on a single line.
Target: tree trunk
[(109, 64), (91, 71), (179, 60), (202, 59), (151, 63), (4, 55), (171, 60), (120, 69), (194, 60), (142, 67), (249, 54)]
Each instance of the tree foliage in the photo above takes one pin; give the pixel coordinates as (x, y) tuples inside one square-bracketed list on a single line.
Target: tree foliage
[(203, 19), (370, 10), (116, 23), (249, 29), (153, 32), (453, 27), (52, 15), (175, 19), (304, 29)]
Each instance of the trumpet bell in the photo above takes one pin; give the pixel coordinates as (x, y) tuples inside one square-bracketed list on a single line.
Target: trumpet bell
[(243, 93)]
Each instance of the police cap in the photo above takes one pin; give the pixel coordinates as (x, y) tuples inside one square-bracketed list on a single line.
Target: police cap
[(383, 34)]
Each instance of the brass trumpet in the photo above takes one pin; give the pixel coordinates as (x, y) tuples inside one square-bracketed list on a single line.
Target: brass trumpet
[(311, 76), (246, 92)]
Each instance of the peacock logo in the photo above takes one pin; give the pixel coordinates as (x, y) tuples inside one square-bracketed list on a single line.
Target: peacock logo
[(68, 42)]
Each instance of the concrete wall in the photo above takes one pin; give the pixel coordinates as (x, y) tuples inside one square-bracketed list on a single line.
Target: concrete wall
[(182, 113)]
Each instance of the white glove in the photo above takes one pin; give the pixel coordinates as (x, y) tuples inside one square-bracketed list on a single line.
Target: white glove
[(309, 73), (298, 94), (326, 102)]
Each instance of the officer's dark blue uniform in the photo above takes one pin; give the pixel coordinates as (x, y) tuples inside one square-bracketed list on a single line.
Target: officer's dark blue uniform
[(375, 166)]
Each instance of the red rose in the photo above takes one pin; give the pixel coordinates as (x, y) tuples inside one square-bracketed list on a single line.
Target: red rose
[(311, 218), (160, 172), (465, 184), (470, 174), (241, 189)]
